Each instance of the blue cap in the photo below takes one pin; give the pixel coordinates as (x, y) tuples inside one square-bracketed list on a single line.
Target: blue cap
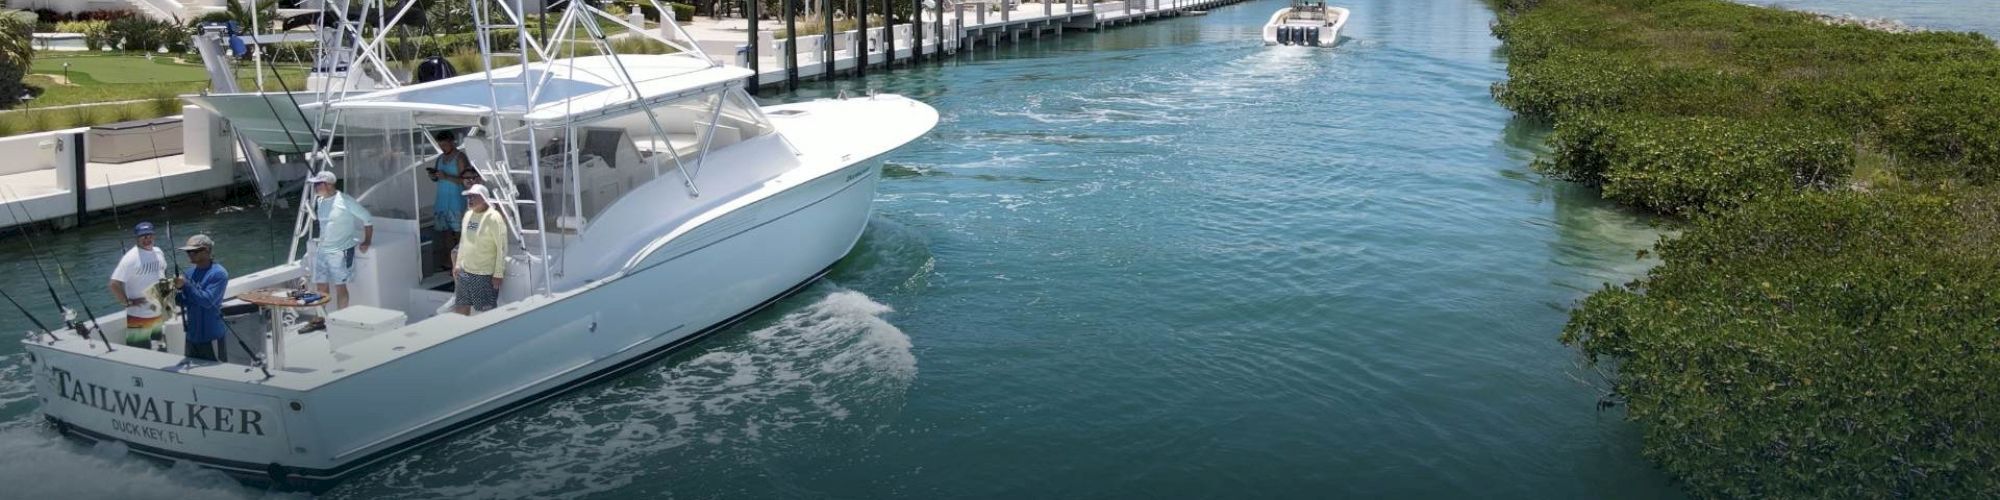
[(143, 229)]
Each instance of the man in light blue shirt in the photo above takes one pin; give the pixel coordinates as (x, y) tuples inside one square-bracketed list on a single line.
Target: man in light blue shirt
[(345, 228)]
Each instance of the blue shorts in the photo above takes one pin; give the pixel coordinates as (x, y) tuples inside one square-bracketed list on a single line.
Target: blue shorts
[(333, 267)]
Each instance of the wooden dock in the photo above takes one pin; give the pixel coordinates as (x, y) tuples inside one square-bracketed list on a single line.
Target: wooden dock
[(959, 26)]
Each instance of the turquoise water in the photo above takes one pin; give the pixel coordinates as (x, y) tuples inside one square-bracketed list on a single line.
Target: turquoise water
[(1160, 261), (1955, 15)]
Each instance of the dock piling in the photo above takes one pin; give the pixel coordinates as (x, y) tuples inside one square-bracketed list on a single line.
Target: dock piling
[(792, 45), (829, 63), (750, 11), (861, 46)]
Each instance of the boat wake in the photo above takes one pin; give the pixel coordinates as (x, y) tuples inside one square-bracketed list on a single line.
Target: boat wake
[(37, 463), (826, 374)]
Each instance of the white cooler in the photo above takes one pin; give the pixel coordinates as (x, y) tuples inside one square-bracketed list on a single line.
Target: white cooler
[(357, 323)]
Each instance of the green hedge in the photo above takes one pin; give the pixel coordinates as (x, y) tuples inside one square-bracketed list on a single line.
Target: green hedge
[(1688, 165), (1816, 332), (1924, 98), (1831, 345)]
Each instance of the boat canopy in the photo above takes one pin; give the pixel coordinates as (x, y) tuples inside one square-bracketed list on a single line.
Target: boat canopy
[(574, 89)]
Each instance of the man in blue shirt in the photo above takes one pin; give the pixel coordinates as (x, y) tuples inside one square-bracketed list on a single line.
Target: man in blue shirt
[(202, 291)]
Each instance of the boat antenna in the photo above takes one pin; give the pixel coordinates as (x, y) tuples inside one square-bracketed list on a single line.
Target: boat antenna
[(36, 252), (24, 312)]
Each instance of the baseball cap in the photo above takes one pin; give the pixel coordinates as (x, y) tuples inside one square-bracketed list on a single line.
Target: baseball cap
[(479, 191), (198, 242), (324, 176), (143, 229)]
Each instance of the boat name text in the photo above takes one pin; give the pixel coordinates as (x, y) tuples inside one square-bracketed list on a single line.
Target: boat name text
[(159, 410)]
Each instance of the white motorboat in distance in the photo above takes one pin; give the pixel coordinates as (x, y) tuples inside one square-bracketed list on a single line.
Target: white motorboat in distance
[(1307, 22), (649, 199)]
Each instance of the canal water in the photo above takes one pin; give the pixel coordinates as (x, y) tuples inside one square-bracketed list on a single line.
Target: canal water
[(1158, 261), (1955, 15)]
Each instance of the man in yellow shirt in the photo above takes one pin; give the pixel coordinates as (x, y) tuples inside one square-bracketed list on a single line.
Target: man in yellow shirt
[(481, 260)]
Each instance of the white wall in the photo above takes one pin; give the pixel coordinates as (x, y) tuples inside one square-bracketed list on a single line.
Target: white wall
[(31, 152)]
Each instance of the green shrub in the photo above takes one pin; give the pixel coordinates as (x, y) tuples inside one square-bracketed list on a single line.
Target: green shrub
[(96, 35), (80, 27), (163, 105), (17, 52), (1831, 345), (682, 12), (1683, 166), (142, 34), (37, 121), (1923, 97), (82, 116)]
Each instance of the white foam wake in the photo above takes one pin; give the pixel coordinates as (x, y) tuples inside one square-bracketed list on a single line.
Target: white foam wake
[(37, 463), (831, 370)]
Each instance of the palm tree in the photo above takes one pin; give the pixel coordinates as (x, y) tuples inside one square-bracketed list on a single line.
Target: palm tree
[(17, 50)]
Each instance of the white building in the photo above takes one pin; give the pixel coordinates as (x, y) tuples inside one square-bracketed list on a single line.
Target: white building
[(159, 9)]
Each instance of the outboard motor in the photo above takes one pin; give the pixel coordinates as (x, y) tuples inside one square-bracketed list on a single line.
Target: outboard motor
[(434, 68), (1284, 35), (1312, 36)]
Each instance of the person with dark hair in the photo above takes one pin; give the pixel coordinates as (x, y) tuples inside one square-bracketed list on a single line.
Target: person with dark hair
[(449, 209)]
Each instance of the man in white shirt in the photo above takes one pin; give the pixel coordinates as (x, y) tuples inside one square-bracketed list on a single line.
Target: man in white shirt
[(345, 229), (142, 267)]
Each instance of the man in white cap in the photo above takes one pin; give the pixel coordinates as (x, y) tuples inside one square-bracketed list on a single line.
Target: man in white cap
[(345, 228), (141, 267), (203, 289), (481, 261)]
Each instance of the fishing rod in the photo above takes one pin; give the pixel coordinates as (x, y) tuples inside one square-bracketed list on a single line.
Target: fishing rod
[(36, 252), (109, 195), (261, 366), (24, 312)]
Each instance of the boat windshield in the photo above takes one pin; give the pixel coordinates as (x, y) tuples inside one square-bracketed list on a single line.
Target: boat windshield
[(383, 153), (617, 154)]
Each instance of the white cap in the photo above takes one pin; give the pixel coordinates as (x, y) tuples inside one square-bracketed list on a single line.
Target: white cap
[(324, 176), (476, 190)]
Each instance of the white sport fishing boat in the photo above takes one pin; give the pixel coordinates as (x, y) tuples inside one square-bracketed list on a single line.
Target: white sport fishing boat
[(1307, 22), (651, 201)]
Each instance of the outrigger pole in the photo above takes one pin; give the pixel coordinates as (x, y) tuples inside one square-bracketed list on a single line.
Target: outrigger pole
[(36, 252)]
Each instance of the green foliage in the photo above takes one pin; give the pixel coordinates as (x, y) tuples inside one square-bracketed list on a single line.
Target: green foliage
[(17, 52), (79, 26), (1688, 165), (1923, 97), (682, 12), (142, 34), (1803, 338), (1831, 345), (96, 35)]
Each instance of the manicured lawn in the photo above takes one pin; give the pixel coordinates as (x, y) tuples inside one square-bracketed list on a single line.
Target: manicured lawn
[(124, 77), (121, 69)]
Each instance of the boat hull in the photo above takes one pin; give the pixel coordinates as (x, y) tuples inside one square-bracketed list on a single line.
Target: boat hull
[(309, 439), (1279, 30)]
